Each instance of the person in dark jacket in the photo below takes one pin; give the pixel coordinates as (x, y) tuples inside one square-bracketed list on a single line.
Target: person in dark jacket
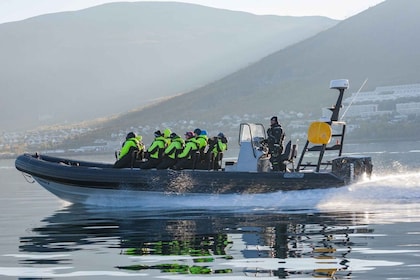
[(275, 138)]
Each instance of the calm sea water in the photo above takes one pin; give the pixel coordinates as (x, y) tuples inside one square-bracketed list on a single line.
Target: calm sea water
[(370, 230)]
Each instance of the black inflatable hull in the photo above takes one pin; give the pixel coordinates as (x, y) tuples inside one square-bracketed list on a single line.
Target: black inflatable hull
[(76, 181)]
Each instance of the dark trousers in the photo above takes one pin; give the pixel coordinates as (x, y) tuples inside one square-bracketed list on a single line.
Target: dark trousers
[(167, 162), (126, 161), (216, 160), (184, 163), (150, 163), (277, 163)]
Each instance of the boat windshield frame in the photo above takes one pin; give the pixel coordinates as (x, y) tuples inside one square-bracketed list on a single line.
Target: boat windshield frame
[(252, 132)]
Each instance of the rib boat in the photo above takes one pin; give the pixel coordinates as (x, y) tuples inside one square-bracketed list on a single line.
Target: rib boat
[(320, 165)]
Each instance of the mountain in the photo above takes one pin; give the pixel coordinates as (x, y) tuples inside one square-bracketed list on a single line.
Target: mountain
[(379, 44), (74, 66)]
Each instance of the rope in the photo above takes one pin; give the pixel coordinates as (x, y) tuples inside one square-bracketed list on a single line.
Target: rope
[(357, 93), (28, 178)]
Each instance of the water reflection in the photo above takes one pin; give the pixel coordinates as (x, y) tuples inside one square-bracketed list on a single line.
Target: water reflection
[(202, 242)]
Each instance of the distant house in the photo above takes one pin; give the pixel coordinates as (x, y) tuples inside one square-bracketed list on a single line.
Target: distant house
[(412, 108), (365, 104), (362, 110)]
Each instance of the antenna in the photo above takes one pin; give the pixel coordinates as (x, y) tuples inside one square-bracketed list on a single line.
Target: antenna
[(354, 97)]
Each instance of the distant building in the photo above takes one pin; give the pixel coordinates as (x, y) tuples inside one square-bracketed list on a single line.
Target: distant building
[(362, 110), (385, 93), (365, 104), (409, 108)]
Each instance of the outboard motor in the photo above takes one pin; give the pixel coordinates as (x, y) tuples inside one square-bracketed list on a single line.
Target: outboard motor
[(352, 169)]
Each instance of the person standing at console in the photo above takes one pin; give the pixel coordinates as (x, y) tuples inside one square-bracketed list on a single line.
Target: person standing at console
[(275, 138)]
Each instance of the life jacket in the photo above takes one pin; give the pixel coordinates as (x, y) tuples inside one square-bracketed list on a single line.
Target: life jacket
[(275, 138), (157, 148), (131, 144), (175, 147), (202, 141), (191, 145), (219, 147)]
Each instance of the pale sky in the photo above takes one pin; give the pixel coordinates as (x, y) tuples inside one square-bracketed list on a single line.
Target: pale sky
[(14, 10)]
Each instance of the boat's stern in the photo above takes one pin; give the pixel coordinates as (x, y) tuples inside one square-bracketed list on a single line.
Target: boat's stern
[(352, 168)]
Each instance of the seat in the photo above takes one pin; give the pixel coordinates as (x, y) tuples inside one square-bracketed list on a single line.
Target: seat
[(287, 152), (290, 153)]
